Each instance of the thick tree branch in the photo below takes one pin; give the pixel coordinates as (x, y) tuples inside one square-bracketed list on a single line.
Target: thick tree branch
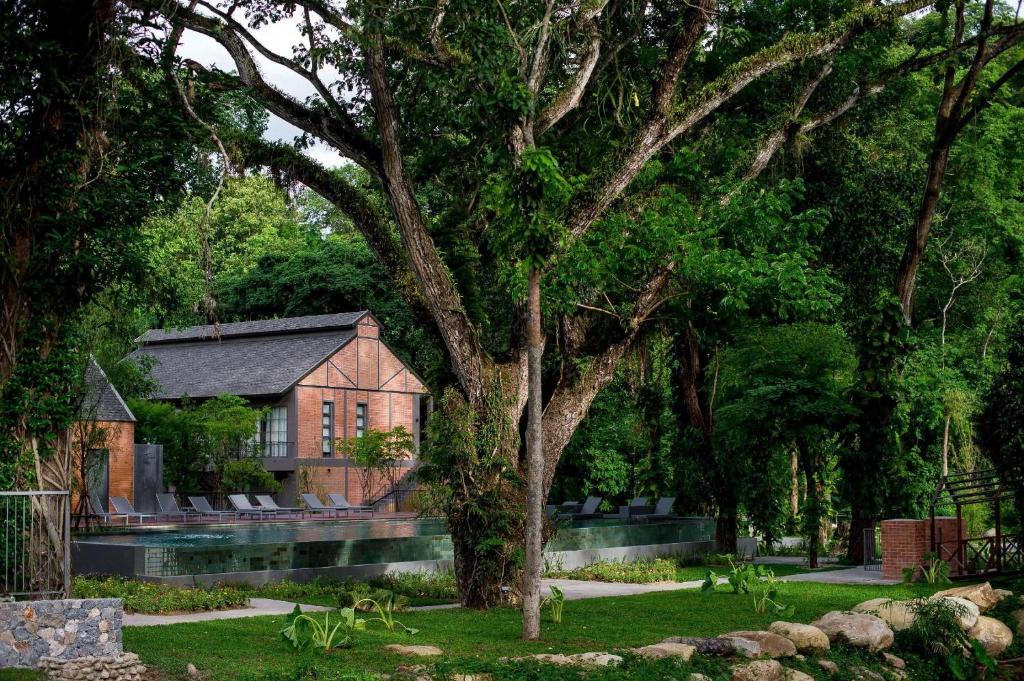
[(457, 329), (605, 187), (334, 131)]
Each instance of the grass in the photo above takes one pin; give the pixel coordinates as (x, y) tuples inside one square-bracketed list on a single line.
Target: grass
[(251, 648), (647, 571)]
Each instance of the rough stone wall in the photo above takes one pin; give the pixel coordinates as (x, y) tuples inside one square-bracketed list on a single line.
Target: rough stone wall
[(65, 629)]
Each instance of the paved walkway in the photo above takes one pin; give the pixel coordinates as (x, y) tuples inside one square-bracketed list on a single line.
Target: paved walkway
[(257, 607), (573, 589)]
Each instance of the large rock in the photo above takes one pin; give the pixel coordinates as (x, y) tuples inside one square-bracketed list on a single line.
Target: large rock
[(413, 651), (760, 670), (1017, 617), (806, 638), (661, 650), (577, 660), (967, 610), (859, 630), (982, 595), (772, 645), (829, 666), (991, 633), (796, 675), (719, 645), (899, 615)]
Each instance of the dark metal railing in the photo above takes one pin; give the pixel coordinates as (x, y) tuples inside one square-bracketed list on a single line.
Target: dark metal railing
[(36, 552), (271, 450)]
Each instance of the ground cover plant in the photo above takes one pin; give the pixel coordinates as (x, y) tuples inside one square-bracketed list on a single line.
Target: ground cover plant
[(251, 649), (649, 570), (150, 598)]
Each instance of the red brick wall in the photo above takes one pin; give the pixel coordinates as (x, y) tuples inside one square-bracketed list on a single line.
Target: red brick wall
[(119, 441), (905, 542)]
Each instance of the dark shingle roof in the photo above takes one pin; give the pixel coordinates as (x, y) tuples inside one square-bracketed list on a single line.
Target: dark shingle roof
[(320, 322), (242, 363), (102, 401)]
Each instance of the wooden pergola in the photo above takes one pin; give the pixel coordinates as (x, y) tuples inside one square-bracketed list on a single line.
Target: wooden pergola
[(972, 556)]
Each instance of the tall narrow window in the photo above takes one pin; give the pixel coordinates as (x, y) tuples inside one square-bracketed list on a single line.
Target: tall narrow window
[(360, 419), (328, 428), (275, 441)]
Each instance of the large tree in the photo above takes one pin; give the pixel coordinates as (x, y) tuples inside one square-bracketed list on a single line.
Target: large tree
[(441, 105)]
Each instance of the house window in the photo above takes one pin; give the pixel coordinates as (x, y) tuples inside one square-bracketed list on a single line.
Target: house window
[(275, 442), (327, 421), (360, 419)]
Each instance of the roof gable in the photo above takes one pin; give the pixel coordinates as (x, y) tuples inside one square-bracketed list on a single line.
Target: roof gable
[(102, 402)]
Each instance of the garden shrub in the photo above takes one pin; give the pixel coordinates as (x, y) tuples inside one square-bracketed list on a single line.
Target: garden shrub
[(150, 598), (642, 571), (438, 586)]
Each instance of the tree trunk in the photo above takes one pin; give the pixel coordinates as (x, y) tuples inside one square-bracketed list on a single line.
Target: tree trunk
[(725, 527), (859, 522), (812, 509), (534, 466), (794, 484)]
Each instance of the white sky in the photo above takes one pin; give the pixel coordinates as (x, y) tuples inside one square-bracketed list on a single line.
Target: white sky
[(279, 37)]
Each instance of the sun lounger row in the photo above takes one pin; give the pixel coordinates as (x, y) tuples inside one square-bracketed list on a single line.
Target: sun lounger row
[(241, 507), (636, 511)]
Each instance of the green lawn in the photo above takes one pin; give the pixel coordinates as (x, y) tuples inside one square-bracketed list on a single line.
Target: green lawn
[(248, 648)]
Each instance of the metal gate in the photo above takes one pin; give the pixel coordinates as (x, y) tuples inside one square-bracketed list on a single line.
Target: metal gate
[(36, 551), (873, 548), (149, 476)]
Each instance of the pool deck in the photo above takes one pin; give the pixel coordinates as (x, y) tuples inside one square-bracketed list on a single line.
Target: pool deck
[(574, 590)]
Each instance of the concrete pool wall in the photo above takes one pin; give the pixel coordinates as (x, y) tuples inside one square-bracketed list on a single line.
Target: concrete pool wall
[(299, 551)]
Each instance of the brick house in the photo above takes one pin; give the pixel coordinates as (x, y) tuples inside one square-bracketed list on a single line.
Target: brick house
[(106, 426), (322, 378)]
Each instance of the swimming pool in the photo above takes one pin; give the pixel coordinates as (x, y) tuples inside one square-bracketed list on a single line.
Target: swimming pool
[(260, 552)]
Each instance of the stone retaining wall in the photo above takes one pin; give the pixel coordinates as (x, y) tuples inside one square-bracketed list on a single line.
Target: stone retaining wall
[(124, 668), (64, 630)]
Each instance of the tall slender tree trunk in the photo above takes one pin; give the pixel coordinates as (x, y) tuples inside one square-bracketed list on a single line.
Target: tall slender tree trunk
[(534, 466)]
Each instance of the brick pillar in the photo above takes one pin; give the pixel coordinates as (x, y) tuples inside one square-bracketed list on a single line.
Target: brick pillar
[(905, 543)]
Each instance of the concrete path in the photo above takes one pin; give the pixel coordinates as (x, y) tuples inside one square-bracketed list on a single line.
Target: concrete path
[(257, 607), (854, 575)]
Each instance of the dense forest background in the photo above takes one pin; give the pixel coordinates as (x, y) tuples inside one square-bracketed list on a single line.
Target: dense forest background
[(752, 389)]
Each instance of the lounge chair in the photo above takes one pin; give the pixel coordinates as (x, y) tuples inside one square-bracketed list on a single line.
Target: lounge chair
[(203, 508), (314, 505), (99, 510), (123, 507), (244, 507), (267, 503), (169, 508), (340, 503), (555, 510), (635, 506), (589, 510), (662, 511)]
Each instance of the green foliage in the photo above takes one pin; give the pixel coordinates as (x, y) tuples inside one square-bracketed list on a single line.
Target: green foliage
[(151, 598), (936, 634), (385, 607), (934, 571), (1002, 435), (640, 571), (757, 581), (436, 586), (306, 630), (556, 600), (213, 435), (380, 453)]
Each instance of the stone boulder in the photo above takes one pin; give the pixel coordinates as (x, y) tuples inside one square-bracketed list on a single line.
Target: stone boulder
[(760, 670), (1017, 617), (772, 645), (577, 660), (865, 674), (662, 650), (968, 610), (796, 675), (719, 646), (806, 638), (982, 595), (829, 667), (413, 651), (859, 630), (992, 634), (899, 615)]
